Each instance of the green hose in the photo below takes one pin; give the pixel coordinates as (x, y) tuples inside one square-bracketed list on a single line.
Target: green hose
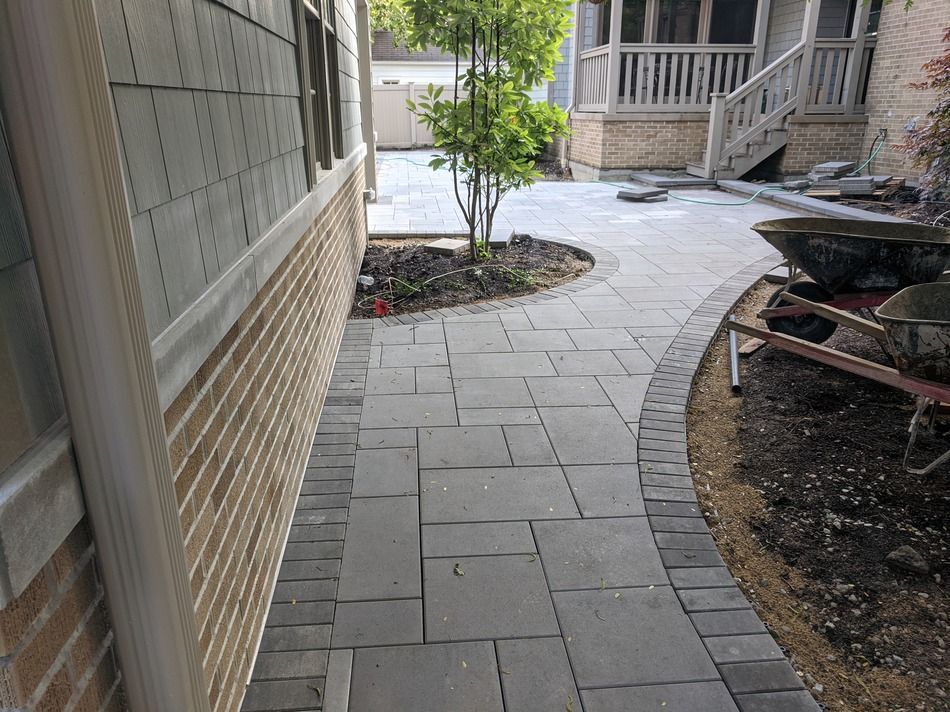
[(882, 137)]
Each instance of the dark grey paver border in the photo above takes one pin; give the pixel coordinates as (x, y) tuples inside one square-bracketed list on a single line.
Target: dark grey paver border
[(606, 265), (738, 642)]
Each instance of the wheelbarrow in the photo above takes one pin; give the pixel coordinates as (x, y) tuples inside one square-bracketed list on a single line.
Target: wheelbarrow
[(850, 264), (915, 326)]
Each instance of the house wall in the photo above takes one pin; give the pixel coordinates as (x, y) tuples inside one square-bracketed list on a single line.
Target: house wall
[(785, 27), (906, 40), (247, 276), (817, 139), (649, 142), (55, 634)]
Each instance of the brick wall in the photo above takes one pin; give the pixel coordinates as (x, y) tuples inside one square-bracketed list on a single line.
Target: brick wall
[(240, 431), (56, 639), (811, 142), (652, 143), (906, 39)]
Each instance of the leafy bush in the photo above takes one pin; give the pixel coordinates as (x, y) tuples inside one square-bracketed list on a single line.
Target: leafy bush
[(929, 144), (488, 131)]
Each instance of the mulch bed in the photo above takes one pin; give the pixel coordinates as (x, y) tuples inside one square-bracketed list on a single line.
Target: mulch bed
[(905, 203), (803, 487), (526, 266)]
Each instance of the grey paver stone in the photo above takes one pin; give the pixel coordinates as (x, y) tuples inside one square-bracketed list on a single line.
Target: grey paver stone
[(586, 363), (336, 694), (414, 411), (372, 623), (743, 648), (498, 416), (760, 677), (689, 558), (566, 391), (536, 675), (433, 379), (589, 435), (606, 490), (381, 554), (426, 678), (306, 570), (495, 494), (603, 653), (740, 622), (492, 393), (602, 339), (626, 393), (274, 696), (594, 553), (469, 446), (387, 381), (320, 590), (386, 438), (793, 701), (701, 577), (678, 540), (528, 363), (288, 666), (556, 316), (386, 472), (300, 613), (414, 355), (295, 637), (316, 532), (713, 599), (304, 550), (684, 697), (529, 445), (468, 338), (544, 340), (486, 597), (476, 539)]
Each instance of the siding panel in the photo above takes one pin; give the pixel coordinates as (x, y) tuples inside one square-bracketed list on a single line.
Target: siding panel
[(152, 39), (181, 142), (143, 147)]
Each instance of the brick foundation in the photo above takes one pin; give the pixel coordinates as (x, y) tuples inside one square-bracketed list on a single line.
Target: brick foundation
[(637, 144), (56, 639), (812, 142), (240, 432)]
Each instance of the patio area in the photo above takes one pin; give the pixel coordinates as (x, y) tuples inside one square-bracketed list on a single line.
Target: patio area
[(498, 512)]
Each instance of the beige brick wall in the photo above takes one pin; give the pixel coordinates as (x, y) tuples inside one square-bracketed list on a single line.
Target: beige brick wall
[(906, 39), (810, 143), (240, 432), (650, 143), (56, 639)]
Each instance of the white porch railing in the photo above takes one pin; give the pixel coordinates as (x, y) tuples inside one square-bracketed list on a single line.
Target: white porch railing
[(663, 77)]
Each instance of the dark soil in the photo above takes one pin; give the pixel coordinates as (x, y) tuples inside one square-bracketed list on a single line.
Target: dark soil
[(806, 497), (524, 267), (551, 170), (906, 203)]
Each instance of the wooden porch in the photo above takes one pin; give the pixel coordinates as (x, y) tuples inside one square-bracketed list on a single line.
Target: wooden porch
[(748, 99)]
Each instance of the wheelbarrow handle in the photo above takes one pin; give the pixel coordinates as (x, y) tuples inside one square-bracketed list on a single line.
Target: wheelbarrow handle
[(838, 316)]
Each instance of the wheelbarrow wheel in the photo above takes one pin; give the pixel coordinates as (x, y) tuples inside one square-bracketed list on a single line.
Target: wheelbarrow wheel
[(809, 327)]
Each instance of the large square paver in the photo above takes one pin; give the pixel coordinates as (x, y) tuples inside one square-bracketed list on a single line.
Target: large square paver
[(372, 623), (408, 411), (495, 494), (474, 446), (381, 553), (606, 490), (486, 597), (626, 393), (529, 445), (469, 337), (640, 637), (536, 675), (567, 390), (388, 381), (462, 677), (589, 435), (593, 553), (684, 697), (385, 472)]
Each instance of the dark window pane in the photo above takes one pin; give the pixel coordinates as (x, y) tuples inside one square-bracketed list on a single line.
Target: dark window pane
[(732, 22), (634, 15), (677, 21)]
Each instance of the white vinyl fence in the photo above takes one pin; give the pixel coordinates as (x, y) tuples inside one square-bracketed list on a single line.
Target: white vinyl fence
[(396, 126)]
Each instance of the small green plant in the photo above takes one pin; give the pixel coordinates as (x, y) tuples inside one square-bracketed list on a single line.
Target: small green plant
[(489, 131), (482, 251), (402, 289), (520, 278)]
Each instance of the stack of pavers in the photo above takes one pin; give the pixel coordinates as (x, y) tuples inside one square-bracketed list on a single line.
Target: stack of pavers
[(830, 171), (856, 185)]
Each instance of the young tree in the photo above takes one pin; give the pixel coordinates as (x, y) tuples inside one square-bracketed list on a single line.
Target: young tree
[(929, 145), (488, 131), (390, 16)]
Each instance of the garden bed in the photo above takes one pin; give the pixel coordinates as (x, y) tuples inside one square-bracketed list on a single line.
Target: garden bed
[(409, 279), (905, 203), (803, 488)]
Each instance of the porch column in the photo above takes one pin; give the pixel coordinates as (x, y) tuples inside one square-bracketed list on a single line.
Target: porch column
[(852, 77), (66, 156), (809, 31), (760, 34), (614, 59), (577, 91)]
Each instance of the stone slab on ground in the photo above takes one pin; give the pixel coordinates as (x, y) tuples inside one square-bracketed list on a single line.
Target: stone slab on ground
[(447, 246), (636, 195), (669, 181)]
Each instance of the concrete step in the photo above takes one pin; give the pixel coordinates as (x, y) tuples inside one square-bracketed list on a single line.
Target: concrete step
[(665, 181), (697, 169)]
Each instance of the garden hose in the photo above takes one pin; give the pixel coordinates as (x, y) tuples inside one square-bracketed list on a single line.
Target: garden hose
[(882, 137)]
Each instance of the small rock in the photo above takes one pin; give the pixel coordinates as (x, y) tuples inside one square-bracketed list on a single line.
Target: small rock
[(907, 558)]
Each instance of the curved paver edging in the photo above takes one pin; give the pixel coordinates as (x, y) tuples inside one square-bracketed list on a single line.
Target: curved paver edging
[(749, 661), (605, 266)]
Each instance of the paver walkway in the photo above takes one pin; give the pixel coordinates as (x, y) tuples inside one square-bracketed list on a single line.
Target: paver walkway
[(498, 513)]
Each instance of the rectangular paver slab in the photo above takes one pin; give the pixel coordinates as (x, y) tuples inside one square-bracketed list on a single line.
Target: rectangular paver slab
[(492, 393), (477, 539), (412, 411), (589, 435), (594, 553), (414, 355), (536, 675), (606, 490), (469, 338), (426, 678), (603, 652), (386, 472), (372, 623), (684, 697), (567, 390), (381, 553), (486, 597), (495, 494), (529, 363), (469, 446)]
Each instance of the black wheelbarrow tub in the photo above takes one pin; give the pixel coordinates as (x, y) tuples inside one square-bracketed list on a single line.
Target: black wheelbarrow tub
[(916, 324), (855, 256)]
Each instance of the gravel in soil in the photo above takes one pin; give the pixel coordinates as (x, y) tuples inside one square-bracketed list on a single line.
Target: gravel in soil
[(802, 485), (409, 278)]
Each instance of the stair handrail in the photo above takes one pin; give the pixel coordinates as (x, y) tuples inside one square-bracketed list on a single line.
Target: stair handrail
[(716, 147)]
